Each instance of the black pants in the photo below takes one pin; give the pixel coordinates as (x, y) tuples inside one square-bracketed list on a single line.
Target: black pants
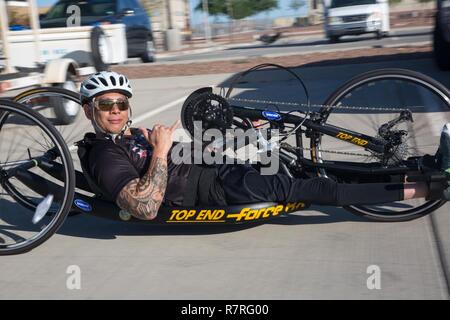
[(244, 184)]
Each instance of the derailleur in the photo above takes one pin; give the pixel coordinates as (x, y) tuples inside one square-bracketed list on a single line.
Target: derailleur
[(395, 150), (395, 137)]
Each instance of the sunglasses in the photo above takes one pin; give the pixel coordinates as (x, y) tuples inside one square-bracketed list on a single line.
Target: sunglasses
[(108, 104)]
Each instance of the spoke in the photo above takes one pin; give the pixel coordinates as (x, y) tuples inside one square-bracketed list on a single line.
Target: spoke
[(38, 142), (49, 144), (12, 236)]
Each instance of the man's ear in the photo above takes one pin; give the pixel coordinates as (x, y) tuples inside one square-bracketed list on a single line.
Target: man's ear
[(87, 111)]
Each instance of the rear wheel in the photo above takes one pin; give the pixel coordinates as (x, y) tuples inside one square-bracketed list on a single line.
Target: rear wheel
[(101, 49), (378, 95), (149, 54), (65, 110), (26, 191)]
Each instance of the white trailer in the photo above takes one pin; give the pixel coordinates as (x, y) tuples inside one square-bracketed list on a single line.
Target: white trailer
[(56, 56)]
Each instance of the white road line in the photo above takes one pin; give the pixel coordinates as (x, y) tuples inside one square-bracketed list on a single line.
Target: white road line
[(158, 110)]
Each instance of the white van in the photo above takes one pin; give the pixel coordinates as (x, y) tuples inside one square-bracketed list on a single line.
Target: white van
[(354, 17)]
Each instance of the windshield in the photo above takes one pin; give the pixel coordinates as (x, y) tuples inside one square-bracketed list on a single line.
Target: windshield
[(88, 8), (346, 3)]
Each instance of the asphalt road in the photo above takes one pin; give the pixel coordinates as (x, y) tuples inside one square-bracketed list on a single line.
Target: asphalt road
[(306, 44), (320, 253)]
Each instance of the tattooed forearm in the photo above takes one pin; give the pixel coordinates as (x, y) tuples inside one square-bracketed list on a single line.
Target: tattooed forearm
[(143, 197)]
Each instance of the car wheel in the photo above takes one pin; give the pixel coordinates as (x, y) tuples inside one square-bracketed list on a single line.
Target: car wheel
[(334, 39), (99, 49), (441, 49), (65, 110), (149, 54)]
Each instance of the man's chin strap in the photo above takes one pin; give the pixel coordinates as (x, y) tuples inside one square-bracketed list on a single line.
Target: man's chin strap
[(108, 134)]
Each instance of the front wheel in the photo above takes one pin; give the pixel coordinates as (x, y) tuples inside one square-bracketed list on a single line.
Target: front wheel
[(149, 54), (34, 204), (382, 34), (365, 103), (334, 39)]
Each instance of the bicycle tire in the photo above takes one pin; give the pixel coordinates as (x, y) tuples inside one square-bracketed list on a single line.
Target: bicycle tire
[(349, 88), (50, 92), (55, 91), (7, 108)]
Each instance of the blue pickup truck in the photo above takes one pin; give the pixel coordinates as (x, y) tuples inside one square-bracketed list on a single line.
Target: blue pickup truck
[(97, 12)]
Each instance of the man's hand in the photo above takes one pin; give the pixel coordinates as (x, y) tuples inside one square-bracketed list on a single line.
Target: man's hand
[(258, 123), (161, 138)]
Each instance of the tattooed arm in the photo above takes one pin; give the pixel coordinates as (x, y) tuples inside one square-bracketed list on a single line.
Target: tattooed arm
[(143, 197)]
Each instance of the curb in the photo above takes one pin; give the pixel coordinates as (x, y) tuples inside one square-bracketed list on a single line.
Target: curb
[(273, 55), (290, 35), (194, 51)]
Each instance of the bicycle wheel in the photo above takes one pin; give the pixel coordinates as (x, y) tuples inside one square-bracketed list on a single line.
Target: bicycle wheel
[(64, 101), (25, 137), (380, 95), (43, 99)]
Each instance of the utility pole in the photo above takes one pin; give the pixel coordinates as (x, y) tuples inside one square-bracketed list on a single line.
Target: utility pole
[(206, 21), (230, 14), (169, 15), (173, 39), (187, 18), (4, 29)]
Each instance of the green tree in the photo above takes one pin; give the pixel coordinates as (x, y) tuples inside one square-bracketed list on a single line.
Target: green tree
[(394, 1), (238, 9), (297, 4)]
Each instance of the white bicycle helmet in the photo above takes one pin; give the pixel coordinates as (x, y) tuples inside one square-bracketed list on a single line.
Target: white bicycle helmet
[(103, 82)]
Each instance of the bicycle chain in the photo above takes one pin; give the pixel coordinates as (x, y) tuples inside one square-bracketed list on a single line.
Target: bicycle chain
[(284, 145), (321, 106)]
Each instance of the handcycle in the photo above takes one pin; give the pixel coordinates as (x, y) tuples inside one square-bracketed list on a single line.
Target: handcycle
[(43, 181)]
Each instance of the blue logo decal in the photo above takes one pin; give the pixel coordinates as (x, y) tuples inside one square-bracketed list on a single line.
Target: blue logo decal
[(83, 205), (271, 115)]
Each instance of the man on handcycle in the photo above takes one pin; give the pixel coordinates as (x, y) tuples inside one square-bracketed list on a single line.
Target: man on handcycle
[(132, 167)]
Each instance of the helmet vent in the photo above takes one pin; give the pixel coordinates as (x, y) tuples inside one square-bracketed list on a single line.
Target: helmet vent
[(103, 81), (90, 86)]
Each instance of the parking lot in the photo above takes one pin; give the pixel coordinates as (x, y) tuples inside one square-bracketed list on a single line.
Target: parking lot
[(320, 253)]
